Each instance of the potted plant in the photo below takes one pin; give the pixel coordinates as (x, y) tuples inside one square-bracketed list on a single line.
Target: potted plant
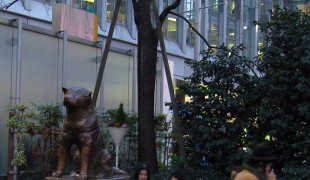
[(118, 126), (119, 117)]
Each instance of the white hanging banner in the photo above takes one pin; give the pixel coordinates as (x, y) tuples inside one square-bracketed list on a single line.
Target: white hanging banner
[(76, 22)]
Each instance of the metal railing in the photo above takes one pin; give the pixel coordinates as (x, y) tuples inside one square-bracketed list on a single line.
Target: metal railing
[(42, 145), (128, 152)]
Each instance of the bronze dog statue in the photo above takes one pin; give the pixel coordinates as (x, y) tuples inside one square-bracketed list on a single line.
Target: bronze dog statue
[(81, 128)]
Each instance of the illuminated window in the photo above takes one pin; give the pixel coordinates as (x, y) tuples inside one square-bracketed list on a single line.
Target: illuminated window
[(231, 23), (121, 18), (179, 95), (231, 30), (213, 30), (76, 4), (171, 23), (263, 17), (231, 8), (214, 5), (88, 5), (247, 27), (190, 15), (303, 6)]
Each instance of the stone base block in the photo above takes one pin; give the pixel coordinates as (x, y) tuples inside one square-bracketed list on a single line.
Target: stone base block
[(116, 177)]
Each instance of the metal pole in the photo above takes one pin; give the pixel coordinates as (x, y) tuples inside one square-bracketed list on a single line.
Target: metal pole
[(101, 90), (64, 58), (134, 81), (116, 155), (170, 85), (197, 23), (106, 51), (18, 82)]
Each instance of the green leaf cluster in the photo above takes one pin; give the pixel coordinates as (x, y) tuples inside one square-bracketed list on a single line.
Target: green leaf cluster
[(117, 118), (24, 118), (285, 108), (237, 103), (216, 117), (19, 156), (49, 115), (19, 117)]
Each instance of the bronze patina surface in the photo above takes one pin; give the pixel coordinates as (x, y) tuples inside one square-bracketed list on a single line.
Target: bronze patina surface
[(81, 129)]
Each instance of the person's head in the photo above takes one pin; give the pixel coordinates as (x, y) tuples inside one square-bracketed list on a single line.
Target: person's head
[(233, 173), (262, 158), (142, 172), (176, 176)]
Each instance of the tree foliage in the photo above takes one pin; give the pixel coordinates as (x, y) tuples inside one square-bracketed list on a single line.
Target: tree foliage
[(219, 111), (285, 62), (237, 103), (26, 119)]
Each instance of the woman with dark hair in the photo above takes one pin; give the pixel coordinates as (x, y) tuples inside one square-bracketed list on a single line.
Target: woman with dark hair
[(142, 172), (176, 176)]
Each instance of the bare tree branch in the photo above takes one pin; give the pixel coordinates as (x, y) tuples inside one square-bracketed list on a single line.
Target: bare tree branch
[(193, 28), (168, 9), (6, 6)]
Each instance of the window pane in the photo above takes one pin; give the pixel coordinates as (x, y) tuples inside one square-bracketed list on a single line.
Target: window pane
[(246, 28), (231, 43), (121, 18), (231, 29), (40, 68), (213, 38), (214, 24), (169, 2), (76, 4), (214, 5), (171, 23), (231, 8), (302, 6), (172, 29), (231, 32), (121, 83), (190, 37), (110, 8), (263, 16), (88, 5)]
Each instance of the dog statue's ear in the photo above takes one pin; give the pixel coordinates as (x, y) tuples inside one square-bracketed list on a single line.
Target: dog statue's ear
[(88, 94), (64, 90)]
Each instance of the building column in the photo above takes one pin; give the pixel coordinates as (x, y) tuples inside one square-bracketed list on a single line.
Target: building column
[(223, 22), (12, 143), (205, 22), (197, 48), (182, 28), (254, 30), (239, 22)]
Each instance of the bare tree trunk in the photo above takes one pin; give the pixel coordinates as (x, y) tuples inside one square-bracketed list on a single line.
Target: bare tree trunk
[(147, 58)]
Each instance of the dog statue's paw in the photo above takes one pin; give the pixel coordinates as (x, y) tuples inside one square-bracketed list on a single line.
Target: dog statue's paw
[(57, 174), (82, 176)]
